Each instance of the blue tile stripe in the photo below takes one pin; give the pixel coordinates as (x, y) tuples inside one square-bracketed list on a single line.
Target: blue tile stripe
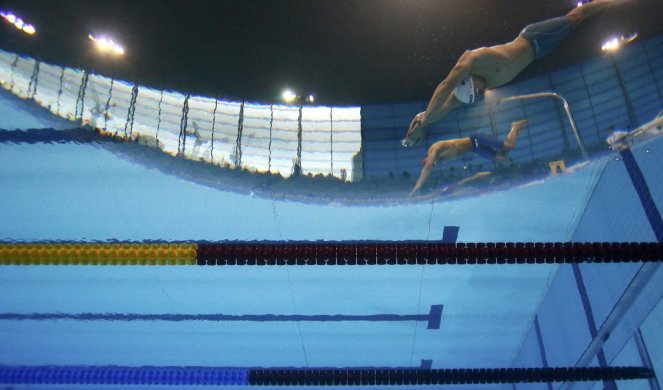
[(641, 187)]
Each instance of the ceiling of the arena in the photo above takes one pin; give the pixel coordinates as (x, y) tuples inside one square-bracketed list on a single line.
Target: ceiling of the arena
[(343, 51)]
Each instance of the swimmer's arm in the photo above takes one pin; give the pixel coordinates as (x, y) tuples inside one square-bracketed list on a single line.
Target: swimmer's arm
[(474, 177), (443, 101), (425, 171)]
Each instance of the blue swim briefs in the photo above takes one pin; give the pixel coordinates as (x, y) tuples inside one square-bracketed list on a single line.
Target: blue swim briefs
[(486, 146), (547, 35)]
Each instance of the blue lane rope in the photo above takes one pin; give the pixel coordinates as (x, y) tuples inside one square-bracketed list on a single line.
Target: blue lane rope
[(115, 375)]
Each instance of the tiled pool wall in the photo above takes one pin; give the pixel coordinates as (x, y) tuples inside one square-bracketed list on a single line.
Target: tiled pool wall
[(583, 296)]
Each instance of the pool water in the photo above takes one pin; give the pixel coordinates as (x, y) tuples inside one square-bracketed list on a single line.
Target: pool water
[(492, 316)]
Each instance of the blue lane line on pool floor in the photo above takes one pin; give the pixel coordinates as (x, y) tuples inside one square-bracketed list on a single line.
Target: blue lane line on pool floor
[(433, 318), (542, 349), (450, 234), (640, 184), (584, 297)]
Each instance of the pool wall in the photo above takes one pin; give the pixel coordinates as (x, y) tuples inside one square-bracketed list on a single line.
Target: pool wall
[(582, 297)]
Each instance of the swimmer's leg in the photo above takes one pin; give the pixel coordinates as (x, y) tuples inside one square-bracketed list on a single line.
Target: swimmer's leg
[(578, 14), (510, 142), (516, 129)]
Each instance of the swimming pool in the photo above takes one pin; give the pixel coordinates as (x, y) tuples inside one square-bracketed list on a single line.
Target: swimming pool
[(391, 316)]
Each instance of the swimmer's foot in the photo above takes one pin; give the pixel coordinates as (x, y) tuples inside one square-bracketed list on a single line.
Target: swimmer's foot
[(519, 126)]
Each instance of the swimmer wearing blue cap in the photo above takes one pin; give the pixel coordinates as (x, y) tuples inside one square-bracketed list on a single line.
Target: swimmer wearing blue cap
[(492, 67), (484, 145)]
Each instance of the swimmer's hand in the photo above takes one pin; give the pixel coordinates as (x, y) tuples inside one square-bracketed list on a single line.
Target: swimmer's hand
[(413, 192), (417, 130)]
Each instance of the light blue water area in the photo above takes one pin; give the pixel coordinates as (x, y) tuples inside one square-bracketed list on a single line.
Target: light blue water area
[(84, 192), (17, 114), (477, 328)]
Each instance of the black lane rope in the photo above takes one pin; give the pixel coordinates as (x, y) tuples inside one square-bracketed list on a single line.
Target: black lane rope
[(392, 253), (382, 377)]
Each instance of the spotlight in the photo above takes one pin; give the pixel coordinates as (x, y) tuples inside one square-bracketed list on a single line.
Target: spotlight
[(310, 99), (18, 22), (610, 45), (29, 29), (615, 43), (11, 18), (106, 45), (289, 96)]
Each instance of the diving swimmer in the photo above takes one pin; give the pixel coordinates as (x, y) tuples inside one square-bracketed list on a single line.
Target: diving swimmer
[(491, 67), (484, 145)]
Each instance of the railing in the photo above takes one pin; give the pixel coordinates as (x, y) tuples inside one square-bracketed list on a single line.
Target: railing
[(565, 104)]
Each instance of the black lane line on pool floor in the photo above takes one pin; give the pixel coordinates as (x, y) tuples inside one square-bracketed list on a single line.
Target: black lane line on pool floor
[(433, 318)]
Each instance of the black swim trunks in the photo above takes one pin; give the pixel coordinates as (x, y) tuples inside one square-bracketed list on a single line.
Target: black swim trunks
[(547, 35)]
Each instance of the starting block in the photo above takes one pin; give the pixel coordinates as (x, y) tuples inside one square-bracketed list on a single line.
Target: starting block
[(557, 165)]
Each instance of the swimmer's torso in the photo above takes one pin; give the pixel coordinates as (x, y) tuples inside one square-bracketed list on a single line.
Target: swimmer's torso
[(498, 65)]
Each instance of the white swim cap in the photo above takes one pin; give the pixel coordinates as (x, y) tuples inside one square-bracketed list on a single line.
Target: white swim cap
[(465, 91)]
